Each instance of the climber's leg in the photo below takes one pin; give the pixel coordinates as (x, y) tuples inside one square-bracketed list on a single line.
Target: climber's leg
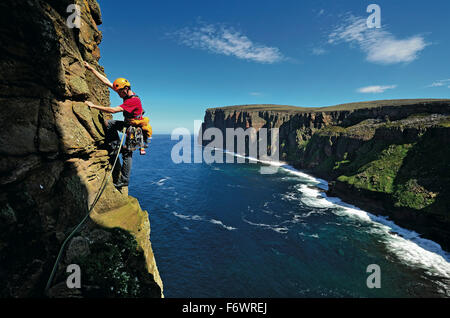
[(111, 134), (127, 157)]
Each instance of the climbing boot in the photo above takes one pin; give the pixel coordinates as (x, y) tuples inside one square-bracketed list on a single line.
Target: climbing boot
[(121, 184)]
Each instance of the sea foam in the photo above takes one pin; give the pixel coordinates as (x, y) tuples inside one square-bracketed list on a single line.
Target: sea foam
[(201, 218), (408, 245)]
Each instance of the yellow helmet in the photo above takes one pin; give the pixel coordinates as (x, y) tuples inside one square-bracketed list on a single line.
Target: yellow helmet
[(120, 83)]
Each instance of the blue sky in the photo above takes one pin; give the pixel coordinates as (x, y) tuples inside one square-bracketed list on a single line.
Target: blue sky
[(185, 56)]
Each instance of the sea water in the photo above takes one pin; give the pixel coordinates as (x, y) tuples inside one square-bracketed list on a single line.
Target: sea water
[(226, 230)]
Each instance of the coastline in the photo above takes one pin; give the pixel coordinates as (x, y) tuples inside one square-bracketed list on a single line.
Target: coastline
[(375, 203), (405, 243)]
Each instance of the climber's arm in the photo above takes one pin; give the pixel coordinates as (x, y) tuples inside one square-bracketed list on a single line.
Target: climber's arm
[(102, 78), (111, 110)]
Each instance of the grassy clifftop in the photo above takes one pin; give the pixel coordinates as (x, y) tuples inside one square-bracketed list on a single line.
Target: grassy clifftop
[(340, 107)]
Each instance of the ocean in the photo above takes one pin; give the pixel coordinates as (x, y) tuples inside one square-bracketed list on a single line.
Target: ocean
[(226, 230)]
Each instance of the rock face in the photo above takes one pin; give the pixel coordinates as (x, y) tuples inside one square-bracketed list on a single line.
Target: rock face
[(388, 157), (52, 162)]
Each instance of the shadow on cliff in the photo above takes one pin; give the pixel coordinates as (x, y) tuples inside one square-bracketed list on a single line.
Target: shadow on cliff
[(38, 210), (423, 181)]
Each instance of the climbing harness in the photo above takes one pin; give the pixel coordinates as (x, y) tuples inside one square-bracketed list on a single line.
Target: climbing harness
[(135, 138), (138, 133), (97, 197)]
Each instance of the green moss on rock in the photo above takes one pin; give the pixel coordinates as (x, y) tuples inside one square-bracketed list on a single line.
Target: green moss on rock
[(116, 268), (379, 174), (413, 195)]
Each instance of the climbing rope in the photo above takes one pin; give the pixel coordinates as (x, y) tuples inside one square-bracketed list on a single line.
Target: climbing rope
[(97, 197)]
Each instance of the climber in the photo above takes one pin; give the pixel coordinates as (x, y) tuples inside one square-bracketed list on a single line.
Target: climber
[(132, 110)]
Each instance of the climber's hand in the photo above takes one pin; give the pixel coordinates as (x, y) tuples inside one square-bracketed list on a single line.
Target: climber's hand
[(88, 66), (90, 104)]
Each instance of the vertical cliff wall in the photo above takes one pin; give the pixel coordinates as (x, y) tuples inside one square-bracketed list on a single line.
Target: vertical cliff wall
[(388, 157), (52, 162)]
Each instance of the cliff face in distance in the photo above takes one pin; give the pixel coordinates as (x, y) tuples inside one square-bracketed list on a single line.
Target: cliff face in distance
[(52, 162), (387, 157)]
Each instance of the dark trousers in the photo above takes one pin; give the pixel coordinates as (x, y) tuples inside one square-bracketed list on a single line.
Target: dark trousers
[(112, 138)]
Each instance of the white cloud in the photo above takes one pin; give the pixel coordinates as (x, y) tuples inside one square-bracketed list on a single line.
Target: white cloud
[(376, 89), (256, 94), (318, 51), (440, 83), (380, 45), (225, 40)]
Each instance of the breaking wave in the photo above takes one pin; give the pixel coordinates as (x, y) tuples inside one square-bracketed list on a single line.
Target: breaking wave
[(406, 244)]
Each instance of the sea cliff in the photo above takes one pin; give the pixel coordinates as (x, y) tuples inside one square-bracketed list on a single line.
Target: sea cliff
[(388, 157), (53, 160)]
